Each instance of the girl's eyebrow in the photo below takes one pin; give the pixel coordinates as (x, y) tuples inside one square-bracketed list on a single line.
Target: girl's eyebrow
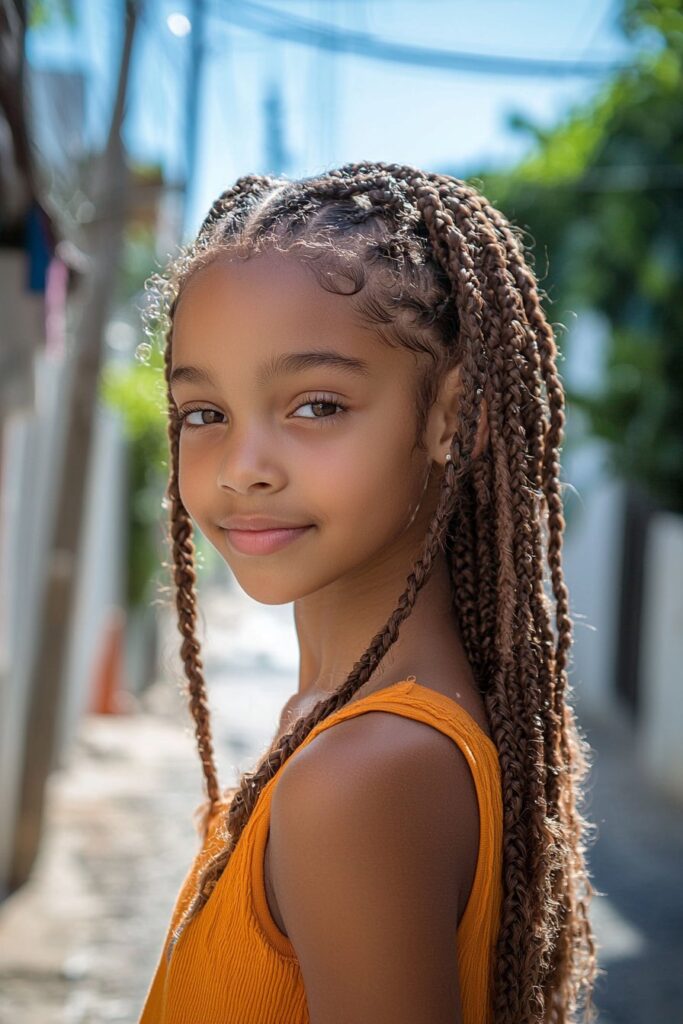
[(286, 362)]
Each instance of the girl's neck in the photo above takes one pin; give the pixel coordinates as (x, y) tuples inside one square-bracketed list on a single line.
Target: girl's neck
[(333, 632)]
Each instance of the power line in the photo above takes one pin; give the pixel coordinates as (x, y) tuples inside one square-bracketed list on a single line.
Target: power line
[(267, 21)]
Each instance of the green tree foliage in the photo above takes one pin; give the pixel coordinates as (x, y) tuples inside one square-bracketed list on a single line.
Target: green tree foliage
[(137, 392), (603, 194), (47, 12)]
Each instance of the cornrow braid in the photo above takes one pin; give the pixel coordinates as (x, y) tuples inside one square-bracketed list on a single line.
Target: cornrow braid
[(247, 188), (437, 269)]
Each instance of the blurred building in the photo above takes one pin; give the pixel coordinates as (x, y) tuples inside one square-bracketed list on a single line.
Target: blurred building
[(623, 560), (42, 263)]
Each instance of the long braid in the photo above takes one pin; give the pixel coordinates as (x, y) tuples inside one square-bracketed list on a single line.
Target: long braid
[(535, 778), (569, 940), (462, 536), (572, 755), (566, 750), (535, 946), (486, 557), (452, 249), (180, 526)]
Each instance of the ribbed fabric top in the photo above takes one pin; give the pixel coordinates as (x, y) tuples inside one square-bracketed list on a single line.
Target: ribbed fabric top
[(233, 965)]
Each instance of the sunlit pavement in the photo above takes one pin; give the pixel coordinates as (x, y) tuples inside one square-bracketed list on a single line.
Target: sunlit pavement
[(637, 861), (78, 945)]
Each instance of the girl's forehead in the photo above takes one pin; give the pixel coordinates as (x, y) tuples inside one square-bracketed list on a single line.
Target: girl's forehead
[(271, 302), (269, 272), (261, 288)]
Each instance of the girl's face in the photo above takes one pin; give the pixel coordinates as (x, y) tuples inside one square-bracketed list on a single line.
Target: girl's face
[(324, 441)]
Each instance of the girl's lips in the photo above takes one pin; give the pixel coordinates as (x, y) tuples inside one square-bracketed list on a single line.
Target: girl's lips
[(263, 542)]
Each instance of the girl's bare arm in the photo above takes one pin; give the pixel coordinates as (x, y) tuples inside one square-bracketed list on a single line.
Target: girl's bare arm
[(374, 840)]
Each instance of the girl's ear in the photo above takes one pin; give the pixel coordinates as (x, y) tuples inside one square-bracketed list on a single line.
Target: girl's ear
[(443, 419)]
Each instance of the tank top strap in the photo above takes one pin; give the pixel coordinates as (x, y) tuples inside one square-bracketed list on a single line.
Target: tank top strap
[(412, 700)]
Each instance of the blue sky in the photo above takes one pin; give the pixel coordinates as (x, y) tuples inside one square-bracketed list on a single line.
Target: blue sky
[(336, 107)]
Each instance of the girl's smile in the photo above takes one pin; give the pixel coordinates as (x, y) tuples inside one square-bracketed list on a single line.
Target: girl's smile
[(264, 542)]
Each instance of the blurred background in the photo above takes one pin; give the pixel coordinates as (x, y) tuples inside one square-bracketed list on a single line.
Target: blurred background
[(120, 122)]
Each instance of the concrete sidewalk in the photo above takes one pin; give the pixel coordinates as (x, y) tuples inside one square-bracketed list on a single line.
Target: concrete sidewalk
[(80, 942)]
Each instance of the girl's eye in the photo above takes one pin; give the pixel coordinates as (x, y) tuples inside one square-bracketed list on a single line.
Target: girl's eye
[(318, 401), (315, 402), (184, 421)]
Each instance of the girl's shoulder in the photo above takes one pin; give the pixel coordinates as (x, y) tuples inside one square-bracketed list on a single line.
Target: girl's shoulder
[(408, 720), (412, 773), (376, 837)]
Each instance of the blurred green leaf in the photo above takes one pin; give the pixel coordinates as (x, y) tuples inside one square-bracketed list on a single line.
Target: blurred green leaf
[(137, 392), (47, 12), (603, 195)]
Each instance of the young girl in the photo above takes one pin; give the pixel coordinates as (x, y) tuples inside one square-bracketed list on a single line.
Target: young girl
[(365, 420)]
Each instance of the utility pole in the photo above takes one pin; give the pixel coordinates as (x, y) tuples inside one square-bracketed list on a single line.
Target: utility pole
[(277, 157), (192, 112), (65, 515)]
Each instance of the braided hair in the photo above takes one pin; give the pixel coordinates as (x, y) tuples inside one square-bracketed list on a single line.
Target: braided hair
[(439, 270)]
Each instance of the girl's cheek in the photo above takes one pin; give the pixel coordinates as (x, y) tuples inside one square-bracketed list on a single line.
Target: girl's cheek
[(193, 481)]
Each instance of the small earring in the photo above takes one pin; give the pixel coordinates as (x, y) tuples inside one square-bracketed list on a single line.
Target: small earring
[(449, 457)]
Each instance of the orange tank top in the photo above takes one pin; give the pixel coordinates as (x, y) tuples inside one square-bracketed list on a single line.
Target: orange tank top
[(233, 965)]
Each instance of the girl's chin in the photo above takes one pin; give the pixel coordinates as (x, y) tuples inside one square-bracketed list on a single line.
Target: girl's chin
[(266, 588)]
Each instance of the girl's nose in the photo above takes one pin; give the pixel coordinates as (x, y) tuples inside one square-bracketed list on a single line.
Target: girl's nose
[(247, 465)]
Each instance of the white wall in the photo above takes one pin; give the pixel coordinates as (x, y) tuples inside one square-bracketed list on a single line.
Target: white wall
[(592, 568), (594, 511), (30, 461), (101, 577), (660, 740)]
